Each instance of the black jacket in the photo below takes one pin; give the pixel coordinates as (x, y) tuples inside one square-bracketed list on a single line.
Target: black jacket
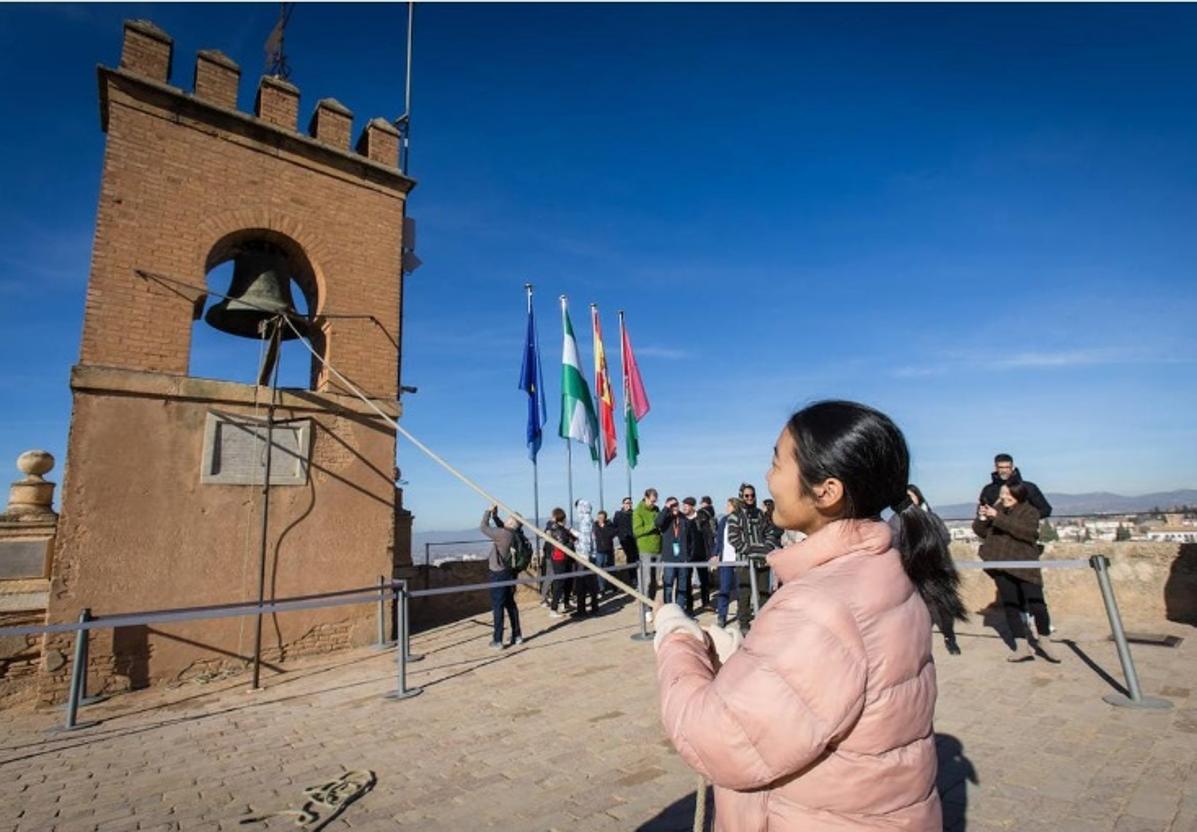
[(604, 538), (989, 494), (622, 520), (686, 535)]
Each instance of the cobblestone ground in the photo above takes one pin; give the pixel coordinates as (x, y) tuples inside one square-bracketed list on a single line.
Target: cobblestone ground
[(562, 734)]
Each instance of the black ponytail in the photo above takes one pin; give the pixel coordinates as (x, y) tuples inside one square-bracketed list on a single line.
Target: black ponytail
[(865, 450)]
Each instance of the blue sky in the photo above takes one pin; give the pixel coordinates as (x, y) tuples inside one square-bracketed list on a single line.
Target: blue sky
[(977, 218)]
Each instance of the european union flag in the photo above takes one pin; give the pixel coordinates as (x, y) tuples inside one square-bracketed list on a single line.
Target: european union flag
[(531, 378)]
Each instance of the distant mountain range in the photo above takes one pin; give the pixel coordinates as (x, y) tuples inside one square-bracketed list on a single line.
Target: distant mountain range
[(444, 545), (1096, 502)]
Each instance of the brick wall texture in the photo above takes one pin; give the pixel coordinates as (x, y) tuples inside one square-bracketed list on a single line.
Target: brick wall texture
[(185, 180)]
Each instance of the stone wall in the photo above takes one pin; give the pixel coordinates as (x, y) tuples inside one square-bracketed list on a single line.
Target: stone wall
[(441, 609), (1153, 582)]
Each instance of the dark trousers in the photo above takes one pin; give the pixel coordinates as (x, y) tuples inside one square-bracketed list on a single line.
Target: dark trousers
[(561, 586), (681, 578), (704, 586), (744, 611), (503, 598), (1019, 596), (727, 583), (587, 587), (654, 573), (631, 553)]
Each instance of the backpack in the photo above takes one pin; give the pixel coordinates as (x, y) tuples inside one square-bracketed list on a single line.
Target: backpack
[(519, 555)]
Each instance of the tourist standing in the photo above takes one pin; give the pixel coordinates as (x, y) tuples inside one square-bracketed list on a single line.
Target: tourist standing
[(825, 719), (622, 520), (705, 524), (559, 561), (604, 546), (585, 585), (1004, 471), (943, 615), (648, 536), (751, 536), (1010, 532), (502, 598), (677, 542), (724, 553)]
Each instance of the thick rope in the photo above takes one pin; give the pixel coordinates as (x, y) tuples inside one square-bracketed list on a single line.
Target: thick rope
[(324, 802), (598, 570)]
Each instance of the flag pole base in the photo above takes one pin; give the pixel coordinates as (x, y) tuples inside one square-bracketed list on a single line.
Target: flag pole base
[(397, 695)]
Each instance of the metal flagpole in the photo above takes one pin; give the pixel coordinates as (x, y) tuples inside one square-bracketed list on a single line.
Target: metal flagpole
[(623, 371), (535, 403), (600, 467), (569, 475)]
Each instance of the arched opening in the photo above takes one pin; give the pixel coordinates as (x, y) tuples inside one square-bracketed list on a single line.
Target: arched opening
[(218, 354)]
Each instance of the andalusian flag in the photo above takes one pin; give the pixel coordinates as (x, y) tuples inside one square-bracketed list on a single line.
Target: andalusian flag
[(577, 409), (635, 400), (602, 389)]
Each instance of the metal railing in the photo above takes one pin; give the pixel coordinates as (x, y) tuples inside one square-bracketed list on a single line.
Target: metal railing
[(398, 593)]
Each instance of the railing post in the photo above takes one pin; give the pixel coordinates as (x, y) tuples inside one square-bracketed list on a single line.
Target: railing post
[(1101, 565), (382, 614), (642, 608), (402, 691), (78, 671), (411, 657)]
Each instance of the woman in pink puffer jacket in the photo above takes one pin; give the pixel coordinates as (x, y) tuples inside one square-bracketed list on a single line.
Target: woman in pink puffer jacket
[(822, 719)]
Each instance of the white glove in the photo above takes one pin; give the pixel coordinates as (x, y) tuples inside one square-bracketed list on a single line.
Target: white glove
[(671, 619), (726, 640)]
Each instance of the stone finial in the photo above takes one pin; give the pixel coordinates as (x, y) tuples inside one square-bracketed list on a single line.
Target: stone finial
[(30, 498)]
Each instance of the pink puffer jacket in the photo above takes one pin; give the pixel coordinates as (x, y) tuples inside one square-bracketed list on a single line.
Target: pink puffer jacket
[(821, 721)]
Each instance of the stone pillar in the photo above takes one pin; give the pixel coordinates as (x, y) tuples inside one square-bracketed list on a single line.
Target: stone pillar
[(28, 526), (30, 499)]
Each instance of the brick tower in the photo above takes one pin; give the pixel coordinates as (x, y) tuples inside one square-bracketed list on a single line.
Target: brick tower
[(162, 497)]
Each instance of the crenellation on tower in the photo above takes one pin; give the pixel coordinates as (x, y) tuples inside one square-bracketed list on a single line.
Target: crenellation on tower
[(277, 102), (379, 142), (332, 123), (147, 50), (217, 77)]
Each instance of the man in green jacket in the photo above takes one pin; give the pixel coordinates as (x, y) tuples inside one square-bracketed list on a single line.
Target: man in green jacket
[(648, 536)]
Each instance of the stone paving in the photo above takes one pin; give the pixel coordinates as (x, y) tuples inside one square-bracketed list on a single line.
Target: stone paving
[(562, 734)]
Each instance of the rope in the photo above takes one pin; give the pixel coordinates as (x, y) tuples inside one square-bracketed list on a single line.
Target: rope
[(598, 570), (324, 802)]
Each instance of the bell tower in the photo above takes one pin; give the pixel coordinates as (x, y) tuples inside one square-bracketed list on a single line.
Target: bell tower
[(163, 496)]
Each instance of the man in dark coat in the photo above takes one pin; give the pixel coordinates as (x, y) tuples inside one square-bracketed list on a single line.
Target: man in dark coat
[(622, 520), (679, 539), (1004, 473)]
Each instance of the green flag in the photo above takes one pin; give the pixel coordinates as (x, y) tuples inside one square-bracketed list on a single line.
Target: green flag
[(632, 436), (578, 421)]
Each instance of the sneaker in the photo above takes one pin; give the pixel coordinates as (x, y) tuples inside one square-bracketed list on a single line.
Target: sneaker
[(554, 614), (518, 640), (498, 645)]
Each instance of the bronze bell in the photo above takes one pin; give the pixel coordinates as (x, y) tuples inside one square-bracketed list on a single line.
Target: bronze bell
[(260, 290)]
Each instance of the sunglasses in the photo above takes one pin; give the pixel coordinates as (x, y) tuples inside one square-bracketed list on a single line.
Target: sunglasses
[(748, 495)]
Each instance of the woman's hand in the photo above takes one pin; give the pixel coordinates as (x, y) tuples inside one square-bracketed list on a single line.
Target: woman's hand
[(987, 512)]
